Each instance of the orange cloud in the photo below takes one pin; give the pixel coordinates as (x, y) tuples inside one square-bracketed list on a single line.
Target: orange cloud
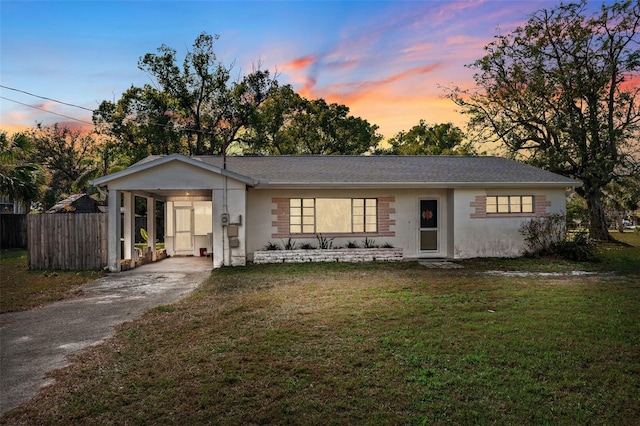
[(299, 63), (394, 103), (631, 82), (348, 93)]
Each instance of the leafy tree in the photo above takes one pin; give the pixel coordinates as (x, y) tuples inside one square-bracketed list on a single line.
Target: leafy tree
[(241, 105), (195, 88), (194, 109), (68, 156), (576, 213), (560, 92), (140, 124), (621, 197), (267, 133), (288, 124), (20, 179), (427, 139)]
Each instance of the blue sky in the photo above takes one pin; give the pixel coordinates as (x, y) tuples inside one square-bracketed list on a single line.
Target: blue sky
[(383, 59)]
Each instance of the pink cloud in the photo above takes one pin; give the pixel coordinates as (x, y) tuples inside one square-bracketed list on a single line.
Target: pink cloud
[(351, 91), (388, 68), (461, 39), (299, 63)]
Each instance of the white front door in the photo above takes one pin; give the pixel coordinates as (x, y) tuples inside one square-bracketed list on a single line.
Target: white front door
[(183, 217), (429, 232)]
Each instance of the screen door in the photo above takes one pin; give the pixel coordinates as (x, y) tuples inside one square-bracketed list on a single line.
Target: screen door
[(429, 237)]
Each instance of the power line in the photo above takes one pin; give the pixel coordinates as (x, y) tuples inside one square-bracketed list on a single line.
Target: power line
[(44, 97), (171, 127), (42, 109)]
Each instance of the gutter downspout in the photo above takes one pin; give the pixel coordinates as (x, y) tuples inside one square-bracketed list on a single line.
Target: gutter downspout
[(225, 208)]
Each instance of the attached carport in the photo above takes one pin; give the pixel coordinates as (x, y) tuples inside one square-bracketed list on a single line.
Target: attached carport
[(183, 184)]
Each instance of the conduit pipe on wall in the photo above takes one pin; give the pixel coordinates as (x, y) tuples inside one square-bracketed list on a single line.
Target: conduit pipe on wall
[(225, 210)]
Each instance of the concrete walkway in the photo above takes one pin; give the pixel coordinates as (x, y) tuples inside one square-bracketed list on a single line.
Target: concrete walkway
[(34, 342)]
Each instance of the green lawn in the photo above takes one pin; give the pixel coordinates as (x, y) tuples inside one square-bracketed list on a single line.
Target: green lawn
[(371, 344), (22, 289)]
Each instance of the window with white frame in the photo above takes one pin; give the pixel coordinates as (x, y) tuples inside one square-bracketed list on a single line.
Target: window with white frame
[(510, 204), (333, 215)]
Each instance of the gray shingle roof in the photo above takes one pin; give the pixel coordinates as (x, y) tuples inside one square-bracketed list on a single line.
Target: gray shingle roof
[(447, 171)]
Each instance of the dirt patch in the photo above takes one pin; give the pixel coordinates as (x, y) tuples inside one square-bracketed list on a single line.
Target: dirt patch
[(542, 274)]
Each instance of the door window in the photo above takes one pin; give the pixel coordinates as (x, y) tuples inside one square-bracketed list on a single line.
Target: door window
[(429, 228)]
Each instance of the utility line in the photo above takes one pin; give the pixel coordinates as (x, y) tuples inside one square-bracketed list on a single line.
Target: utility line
[(204, 132), (44, 97), (50, 112)]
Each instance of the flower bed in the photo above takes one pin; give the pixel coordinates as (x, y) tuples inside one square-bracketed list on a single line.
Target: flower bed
[(328, 255)]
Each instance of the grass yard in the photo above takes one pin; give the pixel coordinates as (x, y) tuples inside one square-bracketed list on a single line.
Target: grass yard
[(371, 344), (22, 289)]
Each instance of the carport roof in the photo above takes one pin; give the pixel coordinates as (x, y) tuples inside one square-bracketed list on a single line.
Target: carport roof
[(345, 171)]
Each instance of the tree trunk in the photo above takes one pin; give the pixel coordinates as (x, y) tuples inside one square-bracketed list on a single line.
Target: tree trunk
[(619, 221), (598, 229)]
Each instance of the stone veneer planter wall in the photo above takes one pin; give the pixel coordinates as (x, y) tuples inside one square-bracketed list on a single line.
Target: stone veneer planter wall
[(328, 255)]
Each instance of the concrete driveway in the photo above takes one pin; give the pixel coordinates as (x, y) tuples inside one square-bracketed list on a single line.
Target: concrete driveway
[(35, 342)]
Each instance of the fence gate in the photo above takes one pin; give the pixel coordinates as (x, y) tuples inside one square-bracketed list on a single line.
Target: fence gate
[(72, 241)]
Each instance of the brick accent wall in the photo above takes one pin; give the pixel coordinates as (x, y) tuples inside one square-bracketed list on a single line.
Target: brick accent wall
[(540, 205), (281, 212), (479, 206), (385, 221)]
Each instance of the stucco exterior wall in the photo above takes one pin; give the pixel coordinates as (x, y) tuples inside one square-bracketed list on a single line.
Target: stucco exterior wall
[(478, 235), (174, 175), (235, 204), (464, 231), (262, 217)]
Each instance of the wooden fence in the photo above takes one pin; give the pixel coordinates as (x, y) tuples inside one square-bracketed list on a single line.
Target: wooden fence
[(67, 241), (13, 231)]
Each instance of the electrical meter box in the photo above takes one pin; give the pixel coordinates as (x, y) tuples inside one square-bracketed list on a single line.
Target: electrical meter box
[(232, 231)]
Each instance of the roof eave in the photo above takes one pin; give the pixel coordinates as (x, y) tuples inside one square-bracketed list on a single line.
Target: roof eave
[(451, 185), (139, 167)]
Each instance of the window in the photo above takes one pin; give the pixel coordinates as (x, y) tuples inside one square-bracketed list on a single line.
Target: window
[(510, 204), (332, 215), (203, 217)]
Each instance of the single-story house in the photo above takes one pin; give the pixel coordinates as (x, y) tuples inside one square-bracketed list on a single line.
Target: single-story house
[(429, 206)]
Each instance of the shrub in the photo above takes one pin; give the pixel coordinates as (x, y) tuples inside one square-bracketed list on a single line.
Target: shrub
[(387, 245), (289, 245), (547, 236), (324, 243), (542, 233), (369, 243), (580, 249), (271, 246), (352, 244), (307, 246)]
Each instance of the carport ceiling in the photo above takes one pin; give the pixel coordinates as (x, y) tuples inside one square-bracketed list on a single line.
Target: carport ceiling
[(165, 193)]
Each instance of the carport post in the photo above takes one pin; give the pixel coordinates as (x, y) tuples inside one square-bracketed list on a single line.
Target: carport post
[(151, 226), (115, 230), (129, 226)]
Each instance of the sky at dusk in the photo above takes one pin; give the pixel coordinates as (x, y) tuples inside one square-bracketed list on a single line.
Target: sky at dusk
[(386, 60)]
